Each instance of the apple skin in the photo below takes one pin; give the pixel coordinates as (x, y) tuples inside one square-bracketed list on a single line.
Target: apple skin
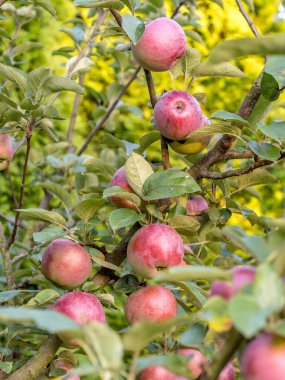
[(67, 368), (192, 145), (263, 359), (6, 151), (242, 275), (66, 263), (161, 46), (196, 362), (120, 179), (153, 302), (153, 247), (228, 373), (157, 372), (197, 206), (177, 114)]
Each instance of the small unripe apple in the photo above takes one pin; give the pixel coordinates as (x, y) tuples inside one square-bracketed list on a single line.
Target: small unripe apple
[(197, 206), (155, 247), (60, 364), (157, 372), (120, 179), (263, 359), (66, 263), (196, 361), (153, 302), (161, 46), (6, 151), (177, 114), (242, 275), (193, 144), (228, 373)]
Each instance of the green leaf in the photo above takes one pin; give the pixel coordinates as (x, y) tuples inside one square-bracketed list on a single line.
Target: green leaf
[(48, 320), (46, 4), (147, 140), (25, 47), (250, 4), (82, 67), (167, 184), (217, 128), (99, 167), (190, 60), (57, 84), (123, 218), (131, 4), (258, 177), (48, 234), (37, 78), (198, 272), (275, 67), (10, 294), (6, 99), (232, 49), (5, 34), (117, 191), (194, 36), (223, 69), (265, 151), (185, 225), (48, 216), (87, 208), (16, 76), (134, 27), (228, 116), (193, 336), (65, 197), (137, 170), (113, 4), (269, 87), (275, 131), (246, 315)]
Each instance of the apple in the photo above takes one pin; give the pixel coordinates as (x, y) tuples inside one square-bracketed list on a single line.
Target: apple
[(120, 179), (194, 144), (157, 372), (153, 302), (228, 373), (60, 364), (66, 263), (196, 361), (6, 151), (177, 114), (161, 46), (197, 206), (263, 358), (154, 247), (242, 275)]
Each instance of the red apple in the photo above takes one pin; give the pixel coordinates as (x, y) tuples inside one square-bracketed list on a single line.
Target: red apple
[(157, 372), (154, 247), (228, 373), (6, 151), (177, 114), (263, 359), (60, 364), (197, 206), (196, 361), (161, 46), (154, 303), (242, 276), (66, 263), (120, 179)]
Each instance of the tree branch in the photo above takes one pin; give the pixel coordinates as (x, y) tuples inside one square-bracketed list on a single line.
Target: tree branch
[(248, 19), (108, 113), (34, 366), (177, 9), (235, 155)]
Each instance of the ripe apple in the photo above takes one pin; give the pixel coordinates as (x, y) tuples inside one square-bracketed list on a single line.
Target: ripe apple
[(154, 247), (197, 206), (66, 263), (242, 276), (194, 144), (177, 114), (263, 359), (228, 373), (60, 364), (196, 361), (161, 46), (120, 179), (6, 151), (157, 372), (153, 302)]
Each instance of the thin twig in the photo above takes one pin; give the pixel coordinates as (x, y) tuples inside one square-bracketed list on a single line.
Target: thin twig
[(108, 113), (102, 249), (73, 118), (235, 155), (248, 19)]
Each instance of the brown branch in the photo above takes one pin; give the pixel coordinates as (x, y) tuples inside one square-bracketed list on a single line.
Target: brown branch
[(235, 155), (117, 17), (34, 366), (73, 118), (108, 113), (104, 275), (102, 249), (177, 9), (223, 356), (248, 19)]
